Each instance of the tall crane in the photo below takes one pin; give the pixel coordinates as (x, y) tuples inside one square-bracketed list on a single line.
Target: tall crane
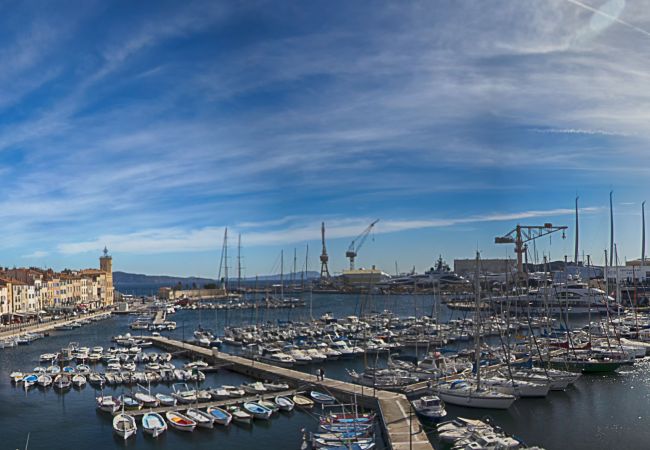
[(523, 234), (357, 243), (324, 269)]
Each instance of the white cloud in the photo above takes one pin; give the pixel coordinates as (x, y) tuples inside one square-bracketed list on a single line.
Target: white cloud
[(37, 254), (171, 240)]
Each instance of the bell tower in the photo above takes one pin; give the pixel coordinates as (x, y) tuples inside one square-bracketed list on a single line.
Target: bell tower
[(106, 266), (106, 263)]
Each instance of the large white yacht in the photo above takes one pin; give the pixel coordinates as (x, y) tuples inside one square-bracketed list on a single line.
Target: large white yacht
[(571, 297)]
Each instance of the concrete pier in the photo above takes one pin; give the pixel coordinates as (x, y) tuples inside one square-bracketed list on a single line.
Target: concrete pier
[(46, 326), (401, 427)]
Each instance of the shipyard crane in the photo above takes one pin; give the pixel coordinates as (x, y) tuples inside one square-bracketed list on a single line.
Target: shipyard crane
[(523, 234), (324, 269), (357, 243)]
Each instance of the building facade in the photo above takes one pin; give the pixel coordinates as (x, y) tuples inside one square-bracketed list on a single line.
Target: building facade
[(29, 291)]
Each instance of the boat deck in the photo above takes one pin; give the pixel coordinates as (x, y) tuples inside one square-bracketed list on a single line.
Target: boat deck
[(401, 427)]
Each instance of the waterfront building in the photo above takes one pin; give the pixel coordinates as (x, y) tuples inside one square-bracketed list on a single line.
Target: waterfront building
[(27, 291)]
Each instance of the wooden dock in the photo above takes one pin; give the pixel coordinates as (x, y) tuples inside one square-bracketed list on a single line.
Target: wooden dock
[(159, 318), (218, 403), (401, 427)]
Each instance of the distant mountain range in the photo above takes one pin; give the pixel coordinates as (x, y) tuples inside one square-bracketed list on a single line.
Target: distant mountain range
[(132, 279)]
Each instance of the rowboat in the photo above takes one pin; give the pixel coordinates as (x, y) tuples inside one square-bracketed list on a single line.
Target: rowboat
[(166, 400), (153, 424), (240, 416), (284, 403), (108, 404), (220, 416), (179, 421), (258, 411), (202, 419), (62, 382), (79, 380), (16, 377), (124, 425), (302, 401), (29, 381), (44, 380), (321, 398), (148, 401), (268, 404), (129, 402)]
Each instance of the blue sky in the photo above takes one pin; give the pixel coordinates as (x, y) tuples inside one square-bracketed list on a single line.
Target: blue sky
[(150, 126)]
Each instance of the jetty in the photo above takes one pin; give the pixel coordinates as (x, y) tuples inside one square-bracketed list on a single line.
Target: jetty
[(17, 330), (400, 426), (213, 403)]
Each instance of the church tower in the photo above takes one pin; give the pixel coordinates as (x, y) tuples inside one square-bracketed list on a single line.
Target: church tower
[(106, 266)]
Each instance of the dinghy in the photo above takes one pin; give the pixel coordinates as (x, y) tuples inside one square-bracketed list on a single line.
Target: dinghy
[(166, 400), (79, 380), (220, 416), (239, 415), (153, 424), (124, 425), (258, 411), (148, 401), (202, 419), (44, 380), (62, 382), (29, 381), (108, 404), (302, 401), (284, 403), (321, 398), (179, 421)]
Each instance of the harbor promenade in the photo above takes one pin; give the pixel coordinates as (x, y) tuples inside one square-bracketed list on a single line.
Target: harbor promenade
[(401, 427), (9, 331)]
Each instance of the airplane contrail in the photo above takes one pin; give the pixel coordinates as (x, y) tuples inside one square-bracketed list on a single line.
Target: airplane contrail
[(609, 16)]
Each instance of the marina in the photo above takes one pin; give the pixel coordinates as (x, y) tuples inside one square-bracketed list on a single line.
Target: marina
[(302, 378)]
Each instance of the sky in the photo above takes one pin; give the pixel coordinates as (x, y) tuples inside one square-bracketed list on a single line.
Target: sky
[(148, 127)]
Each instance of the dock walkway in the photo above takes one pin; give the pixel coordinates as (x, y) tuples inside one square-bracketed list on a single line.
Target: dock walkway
[(45, 326), (218, 403), (401, 426)]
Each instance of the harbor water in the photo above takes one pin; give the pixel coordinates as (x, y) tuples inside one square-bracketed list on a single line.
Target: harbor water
[(599, 411)]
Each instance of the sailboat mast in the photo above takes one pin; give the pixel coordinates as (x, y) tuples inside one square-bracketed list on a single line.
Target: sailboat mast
[(477, 339), (282, 274), (611, 230), (575, 256), (225, 260), (293, 273), (305, 269), (239, 262), (643, 235)]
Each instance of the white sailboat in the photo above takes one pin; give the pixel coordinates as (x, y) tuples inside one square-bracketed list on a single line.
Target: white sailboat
[(472, 393)]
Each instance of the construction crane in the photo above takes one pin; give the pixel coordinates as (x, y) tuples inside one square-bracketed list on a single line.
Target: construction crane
[(357, 243), (526, 233), (324, 269)]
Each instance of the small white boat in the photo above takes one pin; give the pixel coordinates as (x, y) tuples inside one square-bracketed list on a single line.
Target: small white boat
[(62, 382), (124, 425), (258, 411), (302, 401), (79, 380), (202, 418), (166, 400), (239, 415), (430, 407), (16, 377), (44, 380), (148, 401), (153, 424), (322, 398), (220, 416), (179, 421), (108, 404), (284, 403)]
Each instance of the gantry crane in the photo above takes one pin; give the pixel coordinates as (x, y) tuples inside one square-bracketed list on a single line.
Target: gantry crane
[(523, 234), (357, 243)]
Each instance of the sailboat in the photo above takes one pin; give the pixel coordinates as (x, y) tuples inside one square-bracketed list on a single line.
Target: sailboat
[(472, 393)]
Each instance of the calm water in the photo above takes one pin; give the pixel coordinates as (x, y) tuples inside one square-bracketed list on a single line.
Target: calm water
[(598, 412)]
